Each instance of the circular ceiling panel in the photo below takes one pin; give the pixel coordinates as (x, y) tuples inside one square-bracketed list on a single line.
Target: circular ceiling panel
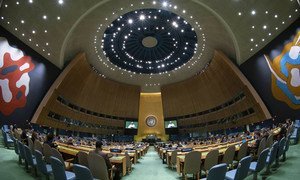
[(149, 41)]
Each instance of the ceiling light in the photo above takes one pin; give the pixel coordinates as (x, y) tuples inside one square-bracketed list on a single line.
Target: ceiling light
[(30, 1), (264, 27), (175, 7), (60, 1), (253, 12), (23, 34), (239, 13), (275, 16), (130, 21), (183, 11), (267, 12), (58, 18), (154, 2), (22, 21), (251, 39), (17, 3), (47, 44), (45, 31), (142, 17), (33, 31), (253, 27), (44, 17), (164, 4)]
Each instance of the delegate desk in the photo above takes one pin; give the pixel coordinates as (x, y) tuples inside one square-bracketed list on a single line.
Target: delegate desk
[(73, 150)]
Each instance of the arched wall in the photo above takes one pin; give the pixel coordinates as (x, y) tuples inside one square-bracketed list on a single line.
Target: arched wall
[(98, 105), (220, 97)]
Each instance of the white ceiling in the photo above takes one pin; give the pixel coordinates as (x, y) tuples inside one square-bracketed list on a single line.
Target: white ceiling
[(59, 31)]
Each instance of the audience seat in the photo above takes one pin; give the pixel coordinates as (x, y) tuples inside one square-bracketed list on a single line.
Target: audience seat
[(242, 170), (59, 171)]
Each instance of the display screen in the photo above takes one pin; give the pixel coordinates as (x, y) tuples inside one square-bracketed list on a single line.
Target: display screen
[(171, 124), (131, 125)]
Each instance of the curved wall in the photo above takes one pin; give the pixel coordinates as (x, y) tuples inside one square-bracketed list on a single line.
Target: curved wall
[(83, 100), (219, 98)]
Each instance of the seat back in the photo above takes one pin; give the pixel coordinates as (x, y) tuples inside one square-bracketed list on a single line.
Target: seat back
[(273, 153), (128, 161), (261, 162), (269, 142), (83, 158), (174, 156), (30, 145), (82, 172), (242, 151), (58, 169), (229, 155), (243, 168), (211, 159), (21, 150), (41, 165), (37, 145), (57, 154), (47, 152), (281, 147), (262, 146), (16, 146), (28, 156), (287, 143), (98, 166), (217, 172), (192, 162)]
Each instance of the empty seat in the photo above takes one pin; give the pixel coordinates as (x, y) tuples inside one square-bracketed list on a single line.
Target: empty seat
[(242, 170), (98, 166), (59, 171), (31, 161), (271, 157), (256, 167), (229, 155), (192, 164), (82, 172), (217, 172), (44, 168)]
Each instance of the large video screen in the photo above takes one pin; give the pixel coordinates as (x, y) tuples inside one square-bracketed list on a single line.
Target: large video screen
[(171, 124), (131, 125)]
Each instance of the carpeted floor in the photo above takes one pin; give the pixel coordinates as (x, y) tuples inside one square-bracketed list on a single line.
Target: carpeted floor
[(150, 167)]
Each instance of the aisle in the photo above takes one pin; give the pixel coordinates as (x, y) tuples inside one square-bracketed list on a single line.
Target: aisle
[(150, 167)]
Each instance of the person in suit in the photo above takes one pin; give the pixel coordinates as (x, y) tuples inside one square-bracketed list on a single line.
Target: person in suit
[(99, 151)]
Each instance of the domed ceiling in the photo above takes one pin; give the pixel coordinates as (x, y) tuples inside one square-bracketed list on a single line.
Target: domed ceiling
[(147, 43)]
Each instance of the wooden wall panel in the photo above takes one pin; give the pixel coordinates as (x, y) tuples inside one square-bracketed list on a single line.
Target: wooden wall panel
[(220, 83), (83, 87)]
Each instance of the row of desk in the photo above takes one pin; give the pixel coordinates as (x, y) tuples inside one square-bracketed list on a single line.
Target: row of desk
[(204, 149), (117, 158)]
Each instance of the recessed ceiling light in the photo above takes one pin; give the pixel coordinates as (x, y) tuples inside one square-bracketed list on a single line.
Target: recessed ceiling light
[(48, 54), (58, 18), (263, 40), (23, 34), (175, 7), (16, 29), (290, 16), (253, 27), (33, 31), (17, 3), (130, 21), (142, 17), (282, 22), (60, 1), (6, 5), (183, 11), (251, 39), (29, 39), (239, 13), (270, 34), (44, 17), (30, 1), (164, 4), (275, 16), (267, 12), (47, 44), (22, 21), (45, 31), (253, 12), (154, 2), (264, 27)]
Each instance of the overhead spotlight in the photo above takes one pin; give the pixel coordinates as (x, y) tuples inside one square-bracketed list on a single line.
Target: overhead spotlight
[(142, 17), (164, 4), (253, 12), (130, 21), (60, 1)]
